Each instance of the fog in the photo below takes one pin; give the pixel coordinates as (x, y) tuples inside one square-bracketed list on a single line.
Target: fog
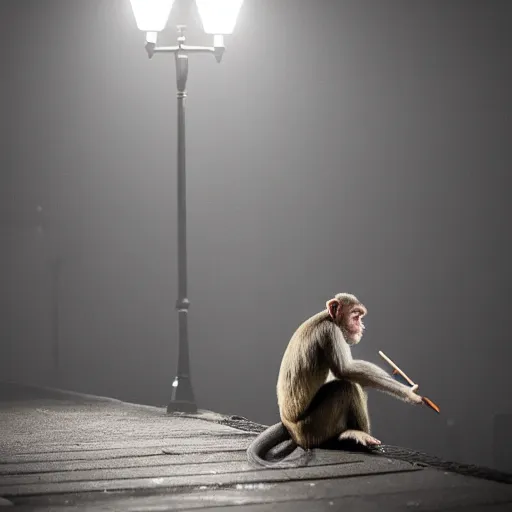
[(350, 145)]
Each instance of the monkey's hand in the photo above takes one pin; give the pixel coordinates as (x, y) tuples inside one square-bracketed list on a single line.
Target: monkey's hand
[(413, 398)]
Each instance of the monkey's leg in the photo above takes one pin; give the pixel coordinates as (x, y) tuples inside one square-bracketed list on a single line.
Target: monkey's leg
[(359, 437), (358, 417), (326, 417), (358, 422)]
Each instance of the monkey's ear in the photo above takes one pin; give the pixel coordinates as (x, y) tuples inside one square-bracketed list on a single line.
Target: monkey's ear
[(332, 306)]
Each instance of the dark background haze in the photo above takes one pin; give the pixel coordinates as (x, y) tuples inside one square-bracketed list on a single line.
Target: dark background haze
[(358, 145)]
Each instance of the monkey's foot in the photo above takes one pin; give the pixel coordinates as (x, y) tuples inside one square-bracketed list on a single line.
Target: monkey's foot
[(359, 437)]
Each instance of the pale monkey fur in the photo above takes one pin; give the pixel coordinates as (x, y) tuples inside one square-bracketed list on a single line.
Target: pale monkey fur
[(320, 386)]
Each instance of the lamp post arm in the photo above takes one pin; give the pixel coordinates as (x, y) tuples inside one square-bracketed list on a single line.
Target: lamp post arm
[(183, 48), (217, 49)]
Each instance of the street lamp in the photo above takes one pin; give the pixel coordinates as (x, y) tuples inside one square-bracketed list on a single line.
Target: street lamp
[(218, 18)]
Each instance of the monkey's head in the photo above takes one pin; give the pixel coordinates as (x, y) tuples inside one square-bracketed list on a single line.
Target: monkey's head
[(347, 312)]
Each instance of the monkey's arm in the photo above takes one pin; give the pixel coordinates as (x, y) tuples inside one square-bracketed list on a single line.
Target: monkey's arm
[(365, 373), (370, 375)]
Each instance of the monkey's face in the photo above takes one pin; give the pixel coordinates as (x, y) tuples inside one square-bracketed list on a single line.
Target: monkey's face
[(351, 322), (348, 313)]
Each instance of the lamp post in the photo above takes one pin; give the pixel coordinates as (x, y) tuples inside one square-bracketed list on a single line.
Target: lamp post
[(218, 18)]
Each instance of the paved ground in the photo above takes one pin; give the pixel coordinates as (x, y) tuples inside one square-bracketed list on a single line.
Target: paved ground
[(65, 451)]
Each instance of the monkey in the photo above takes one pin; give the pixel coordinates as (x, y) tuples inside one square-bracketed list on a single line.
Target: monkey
[(320, 387)]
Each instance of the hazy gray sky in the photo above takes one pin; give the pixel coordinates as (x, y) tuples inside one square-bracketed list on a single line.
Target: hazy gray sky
[(351, 145)]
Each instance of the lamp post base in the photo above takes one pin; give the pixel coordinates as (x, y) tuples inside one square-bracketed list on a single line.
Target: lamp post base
[(181, 406), (182, 399)]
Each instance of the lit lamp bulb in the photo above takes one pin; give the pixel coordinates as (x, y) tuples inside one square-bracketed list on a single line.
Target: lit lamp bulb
[(219, 16), (219, 19), (151, 16)]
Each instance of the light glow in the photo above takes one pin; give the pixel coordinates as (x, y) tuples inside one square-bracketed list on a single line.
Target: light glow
[(151, 15), (218, 41), (219, 16), (151, 37)]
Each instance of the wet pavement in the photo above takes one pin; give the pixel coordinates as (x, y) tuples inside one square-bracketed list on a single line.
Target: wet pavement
[(62, 450)]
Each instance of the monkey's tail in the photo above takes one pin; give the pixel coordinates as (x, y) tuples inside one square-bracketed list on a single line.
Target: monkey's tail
[(271, 438)]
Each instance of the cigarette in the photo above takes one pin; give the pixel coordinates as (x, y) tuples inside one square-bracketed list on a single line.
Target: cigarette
[(386, 358)]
